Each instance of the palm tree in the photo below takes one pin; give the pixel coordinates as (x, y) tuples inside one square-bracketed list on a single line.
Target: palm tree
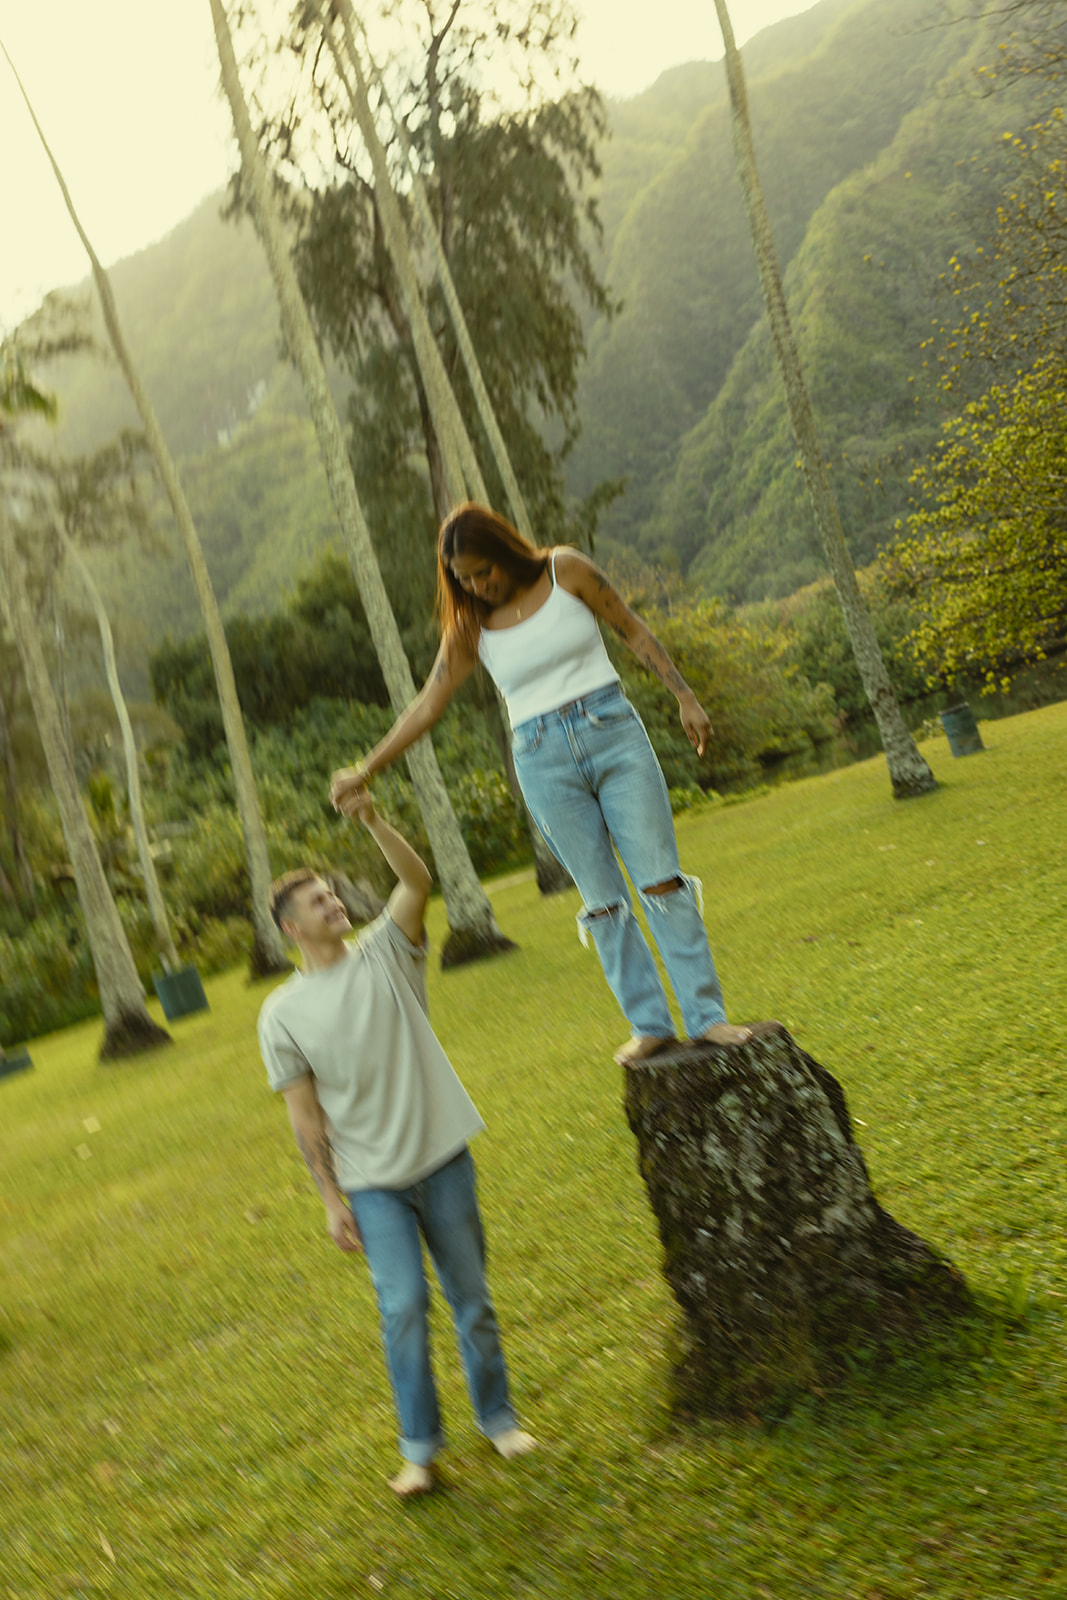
[(486, 413), (908, 772), (128, 1029), (473, 929), (268, 949), (156, 904), (18, 395), (457, 449)]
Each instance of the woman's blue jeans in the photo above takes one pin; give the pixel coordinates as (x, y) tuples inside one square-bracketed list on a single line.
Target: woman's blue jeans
[(443, 1210), (593, 785)]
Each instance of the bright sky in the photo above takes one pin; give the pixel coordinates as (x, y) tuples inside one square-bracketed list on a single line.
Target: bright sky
[(125, 93)]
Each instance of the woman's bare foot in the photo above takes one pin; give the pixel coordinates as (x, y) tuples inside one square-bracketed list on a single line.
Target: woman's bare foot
[(412, 1480), (641, 1047), (726, 1033), (512, 1442)]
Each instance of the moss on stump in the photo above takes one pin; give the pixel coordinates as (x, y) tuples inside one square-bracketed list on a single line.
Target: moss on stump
[(786, 1268)]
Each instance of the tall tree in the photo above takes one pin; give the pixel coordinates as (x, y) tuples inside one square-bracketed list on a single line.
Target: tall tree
[(985, 560), (486, 413), (93, 501), (504, 188), (153, 892), (18, 394), (908, 771), (268, 948), (473, 929), (24, 888), (128, 1029), (461, 476)]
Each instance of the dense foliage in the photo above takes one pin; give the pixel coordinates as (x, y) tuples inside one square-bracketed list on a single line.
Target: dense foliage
[(761, 708), (319, 646), (985, 557), (507, 187)]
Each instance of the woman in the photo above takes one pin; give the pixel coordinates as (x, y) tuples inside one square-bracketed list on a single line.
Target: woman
[(588, 772)]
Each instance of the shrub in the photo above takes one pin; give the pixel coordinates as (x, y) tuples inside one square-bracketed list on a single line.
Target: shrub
[(762, 708)]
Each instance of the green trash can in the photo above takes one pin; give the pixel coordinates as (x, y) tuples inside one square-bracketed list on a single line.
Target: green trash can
[(14, 1061), (180, 992), (962, 730)]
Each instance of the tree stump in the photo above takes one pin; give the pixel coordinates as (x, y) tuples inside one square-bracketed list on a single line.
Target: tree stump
[(787, 1270)]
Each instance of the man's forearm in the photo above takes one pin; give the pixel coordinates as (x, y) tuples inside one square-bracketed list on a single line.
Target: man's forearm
[(308, 1123), (405, 862), (314, 1146)]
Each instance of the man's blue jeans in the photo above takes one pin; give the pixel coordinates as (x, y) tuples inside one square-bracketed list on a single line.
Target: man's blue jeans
[(443, 1210), (591, 780)]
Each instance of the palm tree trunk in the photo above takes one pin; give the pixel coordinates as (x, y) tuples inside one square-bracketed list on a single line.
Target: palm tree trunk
[(20, 860), (164, 938), (128, 1029), (446, 416), (473, 930), (908, 771), (486, 413), (461, 463), (268, 949)]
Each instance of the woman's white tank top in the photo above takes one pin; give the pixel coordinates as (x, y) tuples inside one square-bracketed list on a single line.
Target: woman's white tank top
[(549, 659)]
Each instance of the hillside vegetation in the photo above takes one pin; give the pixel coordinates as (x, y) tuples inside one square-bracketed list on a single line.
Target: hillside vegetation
[(878, 157)]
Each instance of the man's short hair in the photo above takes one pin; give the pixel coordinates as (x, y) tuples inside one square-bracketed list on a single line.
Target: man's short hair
[(283, 889)]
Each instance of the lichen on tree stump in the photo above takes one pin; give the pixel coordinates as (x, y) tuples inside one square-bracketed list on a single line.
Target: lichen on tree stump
[(786, 1268)]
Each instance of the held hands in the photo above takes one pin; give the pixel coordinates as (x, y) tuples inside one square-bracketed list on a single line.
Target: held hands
[(344, 783), (695, 721), (359, 805), (350, 795)]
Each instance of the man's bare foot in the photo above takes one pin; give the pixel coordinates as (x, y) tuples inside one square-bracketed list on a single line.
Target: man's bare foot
[(512, 1442), (726, 1033), (641, 1047), (412, 1480)]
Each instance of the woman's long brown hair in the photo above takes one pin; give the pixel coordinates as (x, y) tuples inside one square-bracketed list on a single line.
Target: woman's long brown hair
[(474, 530)]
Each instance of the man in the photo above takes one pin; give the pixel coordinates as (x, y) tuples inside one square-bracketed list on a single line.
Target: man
[(382, 1122)]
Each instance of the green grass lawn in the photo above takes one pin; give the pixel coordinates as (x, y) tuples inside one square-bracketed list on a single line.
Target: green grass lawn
[(193, 1398)]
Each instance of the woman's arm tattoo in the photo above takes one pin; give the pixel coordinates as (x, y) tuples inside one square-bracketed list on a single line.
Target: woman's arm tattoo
[(652, 655)]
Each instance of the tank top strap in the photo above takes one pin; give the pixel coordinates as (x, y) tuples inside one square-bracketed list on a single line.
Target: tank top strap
[(552, 565)]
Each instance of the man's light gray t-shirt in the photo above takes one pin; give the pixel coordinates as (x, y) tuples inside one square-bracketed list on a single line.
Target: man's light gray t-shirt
[(395, 1109)]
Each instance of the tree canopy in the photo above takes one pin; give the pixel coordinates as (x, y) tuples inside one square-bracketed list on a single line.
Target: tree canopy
[(985, 556), (507, 183)]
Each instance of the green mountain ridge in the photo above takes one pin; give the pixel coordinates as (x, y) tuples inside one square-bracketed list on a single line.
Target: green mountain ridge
[(864, 289), (866, 132), (682, 258), (863, 295)]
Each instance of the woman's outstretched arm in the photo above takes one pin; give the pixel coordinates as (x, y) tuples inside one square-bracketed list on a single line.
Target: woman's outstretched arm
[(580, 577), (454, 664)]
